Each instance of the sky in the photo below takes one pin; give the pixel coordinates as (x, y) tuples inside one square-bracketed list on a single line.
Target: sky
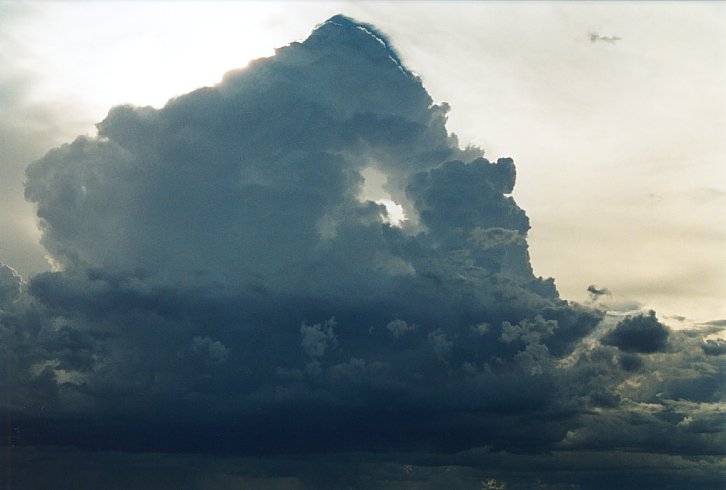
[(484, 239)]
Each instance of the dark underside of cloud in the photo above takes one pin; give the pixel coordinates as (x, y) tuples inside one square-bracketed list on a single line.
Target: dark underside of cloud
[(644, 334), (225, 286)]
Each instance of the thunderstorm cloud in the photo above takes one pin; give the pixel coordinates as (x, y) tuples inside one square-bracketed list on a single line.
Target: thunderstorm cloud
[(224, 285)]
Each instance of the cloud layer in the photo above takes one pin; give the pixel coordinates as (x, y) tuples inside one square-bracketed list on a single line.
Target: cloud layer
[(226, 286)]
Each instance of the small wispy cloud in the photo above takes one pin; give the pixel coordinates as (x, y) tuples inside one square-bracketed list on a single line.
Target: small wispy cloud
[(595, 37), (596, 293)]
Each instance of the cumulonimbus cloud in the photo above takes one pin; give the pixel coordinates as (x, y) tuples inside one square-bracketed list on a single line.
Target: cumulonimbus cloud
[(222, 270)]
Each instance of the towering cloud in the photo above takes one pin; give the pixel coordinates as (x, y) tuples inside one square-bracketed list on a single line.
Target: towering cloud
[(227, 285)]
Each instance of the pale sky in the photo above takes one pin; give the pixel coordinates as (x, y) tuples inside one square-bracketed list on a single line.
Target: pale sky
[(619, 145)]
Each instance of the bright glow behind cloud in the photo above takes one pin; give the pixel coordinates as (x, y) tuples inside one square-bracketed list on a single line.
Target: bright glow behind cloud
[(106, 53)]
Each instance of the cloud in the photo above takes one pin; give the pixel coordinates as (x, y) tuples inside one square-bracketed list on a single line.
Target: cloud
[(206, 347), (221, 251), (318, 338), (10, 285), (399, 327), (714, 347), (595, 37), (596, 293), (226, 286), (631, 362), (640, 333), (440, 343)]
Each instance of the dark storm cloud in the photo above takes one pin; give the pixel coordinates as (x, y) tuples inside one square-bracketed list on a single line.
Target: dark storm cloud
[(227, 288), (631, 362), (218, 252), (714, 347), (641, 333)]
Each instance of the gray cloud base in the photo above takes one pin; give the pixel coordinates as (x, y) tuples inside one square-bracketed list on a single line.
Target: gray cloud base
[(227, 288)]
